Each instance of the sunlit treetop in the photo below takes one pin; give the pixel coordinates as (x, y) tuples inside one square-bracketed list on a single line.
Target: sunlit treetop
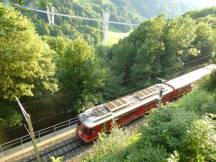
[(26, 63)]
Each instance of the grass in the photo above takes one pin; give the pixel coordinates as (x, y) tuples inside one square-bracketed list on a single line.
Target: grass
[(114, 37)]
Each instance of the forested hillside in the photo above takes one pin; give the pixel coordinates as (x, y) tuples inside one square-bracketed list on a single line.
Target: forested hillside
[(131, 11), (151, 8), (73, 28), (160, 48)]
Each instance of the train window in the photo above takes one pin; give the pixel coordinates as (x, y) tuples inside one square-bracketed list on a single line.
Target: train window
[(90, 131), (104, 127), (82, 128), (85, 130)]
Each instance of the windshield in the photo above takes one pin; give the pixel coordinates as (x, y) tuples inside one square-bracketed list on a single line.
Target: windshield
[(85, 130)]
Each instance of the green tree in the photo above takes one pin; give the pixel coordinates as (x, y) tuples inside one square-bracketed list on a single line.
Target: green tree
[(122, 59), (199, 143), (201, 102), (155, 45), (150, 47), (205, 39), (17, 2), (9, 116), (79, 70), (140, 53), (26, 63), (181, 32), (209, 83)]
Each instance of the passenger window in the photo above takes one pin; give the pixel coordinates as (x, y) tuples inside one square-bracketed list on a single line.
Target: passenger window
[(91, 131), (104, 127)]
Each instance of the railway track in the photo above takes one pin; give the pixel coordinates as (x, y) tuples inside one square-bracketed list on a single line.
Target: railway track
[(71, 146), (54, 148), (67, 147), (133, 127)]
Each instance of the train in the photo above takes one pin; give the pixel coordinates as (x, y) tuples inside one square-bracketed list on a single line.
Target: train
[(126, 109)]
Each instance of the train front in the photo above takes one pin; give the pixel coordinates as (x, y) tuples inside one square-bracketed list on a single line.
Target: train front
[(90, 122), (83, 131)]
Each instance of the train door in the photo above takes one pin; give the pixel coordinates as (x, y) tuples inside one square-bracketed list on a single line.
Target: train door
[(106, 127)]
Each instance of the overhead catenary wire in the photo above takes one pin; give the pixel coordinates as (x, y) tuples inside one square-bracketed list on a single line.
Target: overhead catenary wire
[(195, 67), (122, 93), (167, 69), (137, 87), (135, 78), (126, 91), (156, 81)]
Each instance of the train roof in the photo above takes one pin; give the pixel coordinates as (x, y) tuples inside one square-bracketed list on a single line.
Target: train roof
[(191, 77), (108, 111)]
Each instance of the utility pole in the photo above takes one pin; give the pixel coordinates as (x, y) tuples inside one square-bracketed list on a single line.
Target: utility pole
[(31, 130), (106, 17), (48, 14), (51, 15)]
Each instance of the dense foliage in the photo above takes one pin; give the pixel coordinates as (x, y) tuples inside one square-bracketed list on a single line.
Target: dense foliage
[(26, 61), (9, 116), (108, 144), (31, 65), (161, 47), (79, 71), (45, 67)]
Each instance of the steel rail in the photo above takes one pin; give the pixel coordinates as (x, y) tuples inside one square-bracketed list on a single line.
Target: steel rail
[(47, 155)]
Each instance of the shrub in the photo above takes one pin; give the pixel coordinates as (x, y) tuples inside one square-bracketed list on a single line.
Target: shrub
[(199, 101), (110, 147), (9, 115), (209, 82), (200, 142), (146, 153), (58, 159), (167, 127)]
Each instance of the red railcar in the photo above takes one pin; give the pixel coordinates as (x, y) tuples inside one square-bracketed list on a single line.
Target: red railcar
[(128, 108)]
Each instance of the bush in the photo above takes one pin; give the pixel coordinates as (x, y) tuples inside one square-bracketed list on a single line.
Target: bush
[(200, 142), (110, 147), (209, 82), (146, 153), (167, 127), (199, 101), (9, 116), (58, 159)]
